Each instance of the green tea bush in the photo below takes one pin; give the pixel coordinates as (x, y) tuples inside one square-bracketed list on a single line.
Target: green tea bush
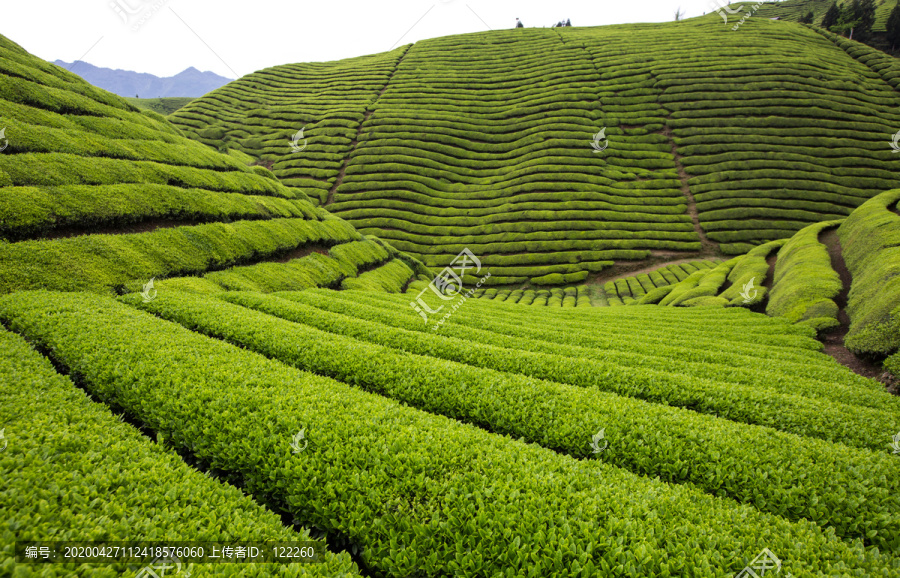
[(184, 385), (752, 267), (391, 277), (326, 354), (805, 285), (104, 263), (106, 481), (870, 238), (656, 380), (27, 212)]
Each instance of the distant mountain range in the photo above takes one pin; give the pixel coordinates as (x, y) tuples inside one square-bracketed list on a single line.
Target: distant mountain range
[(190, 82)]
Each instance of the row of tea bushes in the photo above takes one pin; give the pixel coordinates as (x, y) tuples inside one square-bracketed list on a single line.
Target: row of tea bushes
[(870, 242), (805, 284), (399, 364), (261, 114), (555, 297), (762, 404), (797, 373), (484, 141), (74, 471), (106, 263), (769, 147), (368, 264), (651, 286), (29, 212), (79, 161), (407, 507)]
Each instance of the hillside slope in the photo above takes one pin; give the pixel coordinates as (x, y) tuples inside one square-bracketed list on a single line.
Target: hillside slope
[(717, 139), (97, 195), (697, 412), (490, 440), (794, 10), (840, 278)]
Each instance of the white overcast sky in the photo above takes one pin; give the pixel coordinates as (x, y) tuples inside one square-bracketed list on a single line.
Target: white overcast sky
[(233, 38)]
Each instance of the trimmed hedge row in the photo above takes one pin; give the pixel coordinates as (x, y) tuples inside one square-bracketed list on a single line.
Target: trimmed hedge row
[(483, 505), (105, 263), (763, 406), (772, 339), (870, 242), (805, 285), (651, 288), (26, 66), (658, 240), (702, 283), (34, 138), (315, 269), (791, 377), (27, 212), (50, 169), (391, 277), (491, 395), (752, 267), (74, 471)]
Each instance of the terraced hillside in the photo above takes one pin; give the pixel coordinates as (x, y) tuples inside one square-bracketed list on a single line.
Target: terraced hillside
[(262, 112), (839, 278), (794, 10), (376, 394), (484, 141), (683, 433), (97, 195)]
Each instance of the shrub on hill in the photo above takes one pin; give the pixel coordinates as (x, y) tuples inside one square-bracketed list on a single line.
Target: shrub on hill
[(870, 239)]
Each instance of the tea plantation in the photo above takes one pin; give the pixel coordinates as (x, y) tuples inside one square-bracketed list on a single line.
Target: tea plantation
[(485, 140), (81, 162), (539, 303)]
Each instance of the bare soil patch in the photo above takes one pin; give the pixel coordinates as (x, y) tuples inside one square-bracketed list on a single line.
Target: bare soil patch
[(708, 247), (833, 339)]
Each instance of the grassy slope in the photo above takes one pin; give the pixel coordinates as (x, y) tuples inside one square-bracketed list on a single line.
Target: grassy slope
[(795, 448), (483, 140), (107, 481), (793, 10), (98, 195), (409, 508)]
